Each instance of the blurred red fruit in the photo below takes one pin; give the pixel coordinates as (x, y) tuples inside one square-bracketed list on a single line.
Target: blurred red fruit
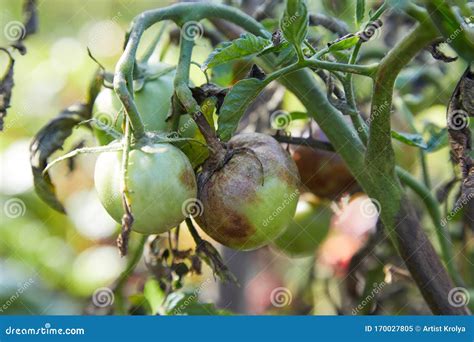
[(323, 173)]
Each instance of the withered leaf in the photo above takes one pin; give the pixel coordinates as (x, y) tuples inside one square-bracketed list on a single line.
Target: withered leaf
[(127, 223), (458, 117), (47, 141), (439, 55), (31, 17), (209, 254), (30, 25), (461, 106), (6, 86)]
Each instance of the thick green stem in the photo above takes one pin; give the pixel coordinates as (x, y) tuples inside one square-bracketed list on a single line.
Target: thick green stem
[(380, 158), (181, 80), (432, 206), (185, 96)]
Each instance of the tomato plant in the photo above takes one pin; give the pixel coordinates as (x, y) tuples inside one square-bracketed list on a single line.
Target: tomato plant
[(216, 147)]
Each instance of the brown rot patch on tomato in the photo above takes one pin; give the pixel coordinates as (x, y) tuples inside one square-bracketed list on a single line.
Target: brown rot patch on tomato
[(187, 179), (288, 177), (237, 227)]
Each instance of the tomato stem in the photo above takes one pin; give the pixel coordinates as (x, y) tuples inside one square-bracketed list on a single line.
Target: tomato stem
[(185, 96)]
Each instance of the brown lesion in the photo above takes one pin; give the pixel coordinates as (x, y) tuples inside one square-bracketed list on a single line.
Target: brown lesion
[(237, 227), (232, 230), (187, 179)]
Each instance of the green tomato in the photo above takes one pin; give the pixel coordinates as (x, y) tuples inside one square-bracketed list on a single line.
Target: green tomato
[(160, 180), (306, 231), (195, 150), (250, 200), (153, 101)]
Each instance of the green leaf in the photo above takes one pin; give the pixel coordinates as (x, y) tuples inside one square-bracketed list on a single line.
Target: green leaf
[(343, 43), (154, 295), (235, 103), (275, 49), (360, 11), (245, 46), (270, 24), (294, 23), (438, 137), (410, 139), (222, 75), (286, 56)]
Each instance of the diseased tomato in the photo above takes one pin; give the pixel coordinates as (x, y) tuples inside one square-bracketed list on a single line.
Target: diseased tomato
[(153, 100), (323, 173), (252, 198), (306, 231), (160, 180)]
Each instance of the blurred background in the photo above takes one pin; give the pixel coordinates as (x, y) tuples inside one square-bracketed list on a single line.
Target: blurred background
[(52, 263)]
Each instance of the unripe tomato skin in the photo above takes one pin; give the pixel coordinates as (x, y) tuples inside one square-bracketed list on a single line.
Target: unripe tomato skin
[(195, 150), (244, 208), (153, 101), (159, 179), (306, 231)]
